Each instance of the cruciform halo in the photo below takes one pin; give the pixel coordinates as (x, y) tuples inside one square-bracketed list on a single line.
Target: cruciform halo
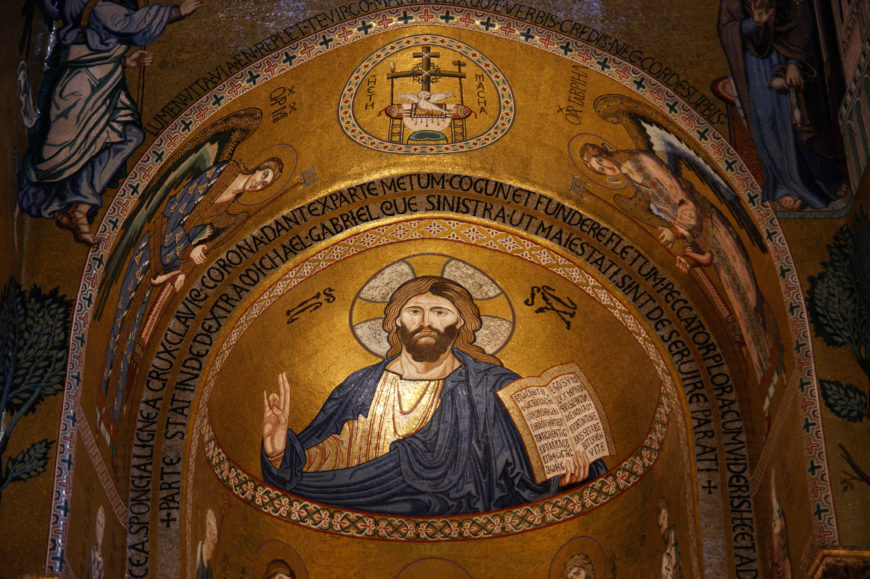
[(367, 310)]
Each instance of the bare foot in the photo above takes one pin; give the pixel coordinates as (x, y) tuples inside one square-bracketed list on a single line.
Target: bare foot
[(161, 279), (790, 203), (77, 222)]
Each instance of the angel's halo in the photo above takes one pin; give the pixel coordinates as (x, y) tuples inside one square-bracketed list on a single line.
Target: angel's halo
[(290, 160), (614, 182)]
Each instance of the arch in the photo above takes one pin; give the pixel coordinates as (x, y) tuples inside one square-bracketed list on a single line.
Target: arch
[(773, 261), (862, 130), (853, 153)]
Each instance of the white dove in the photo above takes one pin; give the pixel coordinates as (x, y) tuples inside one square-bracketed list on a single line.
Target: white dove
[(427, 101)]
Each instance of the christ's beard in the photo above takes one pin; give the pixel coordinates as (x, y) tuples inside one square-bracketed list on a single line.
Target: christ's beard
[(428, 348)]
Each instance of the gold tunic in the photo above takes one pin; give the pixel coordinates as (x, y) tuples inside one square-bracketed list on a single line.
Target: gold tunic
[(399, 409)]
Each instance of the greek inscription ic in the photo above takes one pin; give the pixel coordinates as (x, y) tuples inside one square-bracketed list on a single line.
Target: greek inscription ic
[(310, 304)]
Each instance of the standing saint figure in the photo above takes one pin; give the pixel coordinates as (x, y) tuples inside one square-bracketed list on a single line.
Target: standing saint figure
[(780, 558), (96, 568), (779, 81), (205, 548), (672, 567), (420, 433), (708, 240), (195, 221), (88, 125)]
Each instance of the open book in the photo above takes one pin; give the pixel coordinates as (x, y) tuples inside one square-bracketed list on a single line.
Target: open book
[(555, 414)]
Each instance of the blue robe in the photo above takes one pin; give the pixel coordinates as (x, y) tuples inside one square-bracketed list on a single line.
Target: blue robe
[(791, 168), (795, 163), (189, 218), (468, 458), (88, 124)]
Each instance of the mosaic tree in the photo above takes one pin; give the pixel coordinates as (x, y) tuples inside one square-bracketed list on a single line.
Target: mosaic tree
[(34, 330), (839, 307)]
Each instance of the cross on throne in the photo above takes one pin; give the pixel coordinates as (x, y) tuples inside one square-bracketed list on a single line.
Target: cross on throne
[(425, 116)]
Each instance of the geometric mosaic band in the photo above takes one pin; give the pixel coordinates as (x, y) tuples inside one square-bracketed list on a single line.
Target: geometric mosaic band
[(539, 514)]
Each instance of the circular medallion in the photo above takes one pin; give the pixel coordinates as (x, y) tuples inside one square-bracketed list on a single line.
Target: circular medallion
[(426, 94)]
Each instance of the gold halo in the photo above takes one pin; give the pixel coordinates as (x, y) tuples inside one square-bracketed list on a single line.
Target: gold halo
[(576, 545), (577, 141), (433, 567), (274, 549), (288, 170)]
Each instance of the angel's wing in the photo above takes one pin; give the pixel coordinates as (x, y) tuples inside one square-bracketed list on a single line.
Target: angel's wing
[(215, 144), (439, 96), (409, 97), (639, 208), (646, 127), (675, 153)]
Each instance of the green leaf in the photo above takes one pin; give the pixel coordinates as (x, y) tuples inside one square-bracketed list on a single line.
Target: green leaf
[(41, 349), (29, 462), (832, 309), (844, 400), (11, 315), (839, 296)]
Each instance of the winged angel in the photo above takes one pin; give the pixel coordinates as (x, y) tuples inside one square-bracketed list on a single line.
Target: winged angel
[(194, 204), (665, 199)]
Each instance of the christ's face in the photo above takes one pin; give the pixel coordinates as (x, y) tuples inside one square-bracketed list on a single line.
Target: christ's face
[(260, 179), (427, 326)]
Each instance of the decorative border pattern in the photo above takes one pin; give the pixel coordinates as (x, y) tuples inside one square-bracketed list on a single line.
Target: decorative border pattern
[(499, 128), (854, 88), (117, 504), (853, 109), (303, 50), (773, 436), (506, 522)]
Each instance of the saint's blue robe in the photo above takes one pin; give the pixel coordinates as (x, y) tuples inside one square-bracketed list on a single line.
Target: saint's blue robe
[(790, 167), (89, 124), (796, 163)]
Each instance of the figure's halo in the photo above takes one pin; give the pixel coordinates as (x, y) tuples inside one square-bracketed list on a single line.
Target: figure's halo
[(577, 141), (588, 545), (289, 158), (433, 567), (276, 554), (367, 310)]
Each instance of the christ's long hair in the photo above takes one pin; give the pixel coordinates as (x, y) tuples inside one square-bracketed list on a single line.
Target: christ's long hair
[(449, 290)]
